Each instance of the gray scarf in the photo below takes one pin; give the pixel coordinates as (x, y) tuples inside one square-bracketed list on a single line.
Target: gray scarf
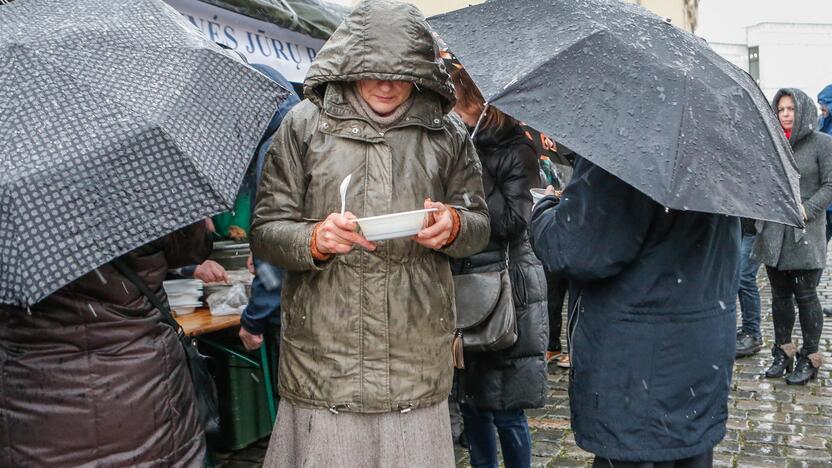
[(381, 123)]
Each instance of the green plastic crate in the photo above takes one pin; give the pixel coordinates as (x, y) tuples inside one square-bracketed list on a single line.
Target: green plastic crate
[(244, 411)]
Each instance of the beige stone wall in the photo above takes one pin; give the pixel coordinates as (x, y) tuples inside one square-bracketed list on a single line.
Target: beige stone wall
[(683, 13), (434, 7)]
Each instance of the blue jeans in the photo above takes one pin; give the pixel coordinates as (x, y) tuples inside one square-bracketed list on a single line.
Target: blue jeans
[(749, 294), (513, 429)]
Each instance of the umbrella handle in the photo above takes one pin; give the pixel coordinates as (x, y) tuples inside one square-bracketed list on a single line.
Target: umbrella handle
[(479, 121)]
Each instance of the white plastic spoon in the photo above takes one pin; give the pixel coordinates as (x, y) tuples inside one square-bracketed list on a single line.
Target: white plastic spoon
[(343, 191)]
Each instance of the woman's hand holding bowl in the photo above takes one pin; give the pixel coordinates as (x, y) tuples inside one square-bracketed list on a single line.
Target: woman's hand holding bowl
[(438, 226), (336, 235)]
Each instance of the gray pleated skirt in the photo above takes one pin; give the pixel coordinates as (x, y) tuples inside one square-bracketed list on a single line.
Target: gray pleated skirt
[(312, 438)]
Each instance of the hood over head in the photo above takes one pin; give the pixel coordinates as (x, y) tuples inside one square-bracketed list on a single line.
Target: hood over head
[(381, 40), (825, 97), (805, 113)]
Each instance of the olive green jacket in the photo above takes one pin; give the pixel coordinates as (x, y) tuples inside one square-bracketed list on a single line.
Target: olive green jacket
[(369, 332)]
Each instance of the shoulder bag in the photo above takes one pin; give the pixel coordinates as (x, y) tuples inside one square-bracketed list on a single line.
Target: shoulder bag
[(486, 319)]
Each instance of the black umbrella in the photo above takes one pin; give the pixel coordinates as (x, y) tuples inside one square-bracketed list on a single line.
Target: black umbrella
[(119, 123), (648, 102)]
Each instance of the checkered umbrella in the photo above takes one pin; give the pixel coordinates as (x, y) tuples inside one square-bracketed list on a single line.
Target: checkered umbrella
[(119, 123)]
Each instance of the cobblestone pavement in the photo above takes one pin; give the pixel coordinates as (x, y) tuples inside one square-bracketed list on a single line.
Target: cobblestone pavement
[(770, 423)]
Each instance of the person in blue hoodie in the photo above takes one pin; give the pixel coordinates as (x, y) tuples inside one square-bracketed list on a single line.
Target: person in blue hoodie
[(825, 101), (825, 126), (653, 294)]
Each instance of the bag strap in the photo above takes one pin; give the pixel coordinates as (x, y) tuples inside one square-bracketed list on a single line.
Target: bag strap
[(163, 307)]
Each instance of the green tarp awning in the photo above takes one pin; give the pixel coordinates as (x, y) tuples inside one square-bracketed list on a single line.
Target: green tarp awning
[(315, 18)]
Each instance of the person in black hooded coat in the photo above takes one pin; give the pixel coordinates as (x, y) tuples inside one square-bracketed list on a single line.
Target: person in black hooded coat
[(495, 387), (653, 292)]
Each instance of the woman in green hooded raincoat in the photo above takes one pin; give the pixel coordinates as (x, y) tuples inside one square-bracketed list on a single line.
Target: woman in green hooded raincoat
[(366, 362)]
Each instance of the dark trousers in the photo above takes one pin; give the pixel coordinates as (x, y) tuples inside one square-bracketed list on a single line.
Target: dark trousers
[(828, 226), (556, 288), (272, 337), (802, 286), (510, 425), (706, 460)]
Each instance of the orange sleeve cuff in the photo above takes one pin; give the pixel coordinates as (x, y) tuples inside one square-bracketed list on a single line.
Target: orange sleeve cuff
[(455, 227), (313, 246)]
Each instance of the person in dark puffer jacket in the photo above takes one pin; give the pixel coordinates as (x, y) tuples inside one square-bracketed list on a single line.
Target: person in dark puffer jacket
[(92, 376), (495, 387)]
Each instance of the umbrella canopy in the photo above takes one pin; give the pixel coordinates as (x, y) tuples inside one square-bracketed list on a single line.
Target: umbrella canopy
[(119, 123), (648, 102)]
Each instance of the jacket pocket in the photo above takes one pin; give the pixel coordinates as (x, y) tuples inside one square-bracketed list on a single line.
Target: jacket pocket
[(294, 310), (449, 306), (692, 366), (519, 291)]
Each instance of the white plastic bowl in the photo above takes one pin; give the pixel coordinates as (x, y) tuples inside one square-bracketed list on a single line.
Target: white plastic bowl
[(180, 311), (537, 194), (393, 226)]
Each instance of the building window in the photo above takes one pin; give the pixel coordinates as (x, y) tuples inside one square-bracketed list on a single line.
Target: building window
[(754, 63)]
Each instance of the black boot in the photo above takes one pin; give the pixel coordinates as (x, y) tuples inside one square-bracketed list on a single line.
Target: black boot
[(827, 311), (805, 370), (782, 362)]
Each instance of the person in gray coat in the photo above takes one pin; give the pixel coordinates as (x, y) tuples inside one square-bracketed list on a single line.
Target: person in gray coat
[(795, 258)]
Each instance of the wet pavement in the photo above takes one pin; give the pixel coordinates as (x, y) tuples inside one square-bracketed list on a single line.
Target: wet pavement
[(770, 423)]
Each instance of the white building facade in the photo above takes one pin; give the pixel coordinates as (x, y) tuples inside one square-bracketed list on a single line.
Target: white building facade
[(784, 55)]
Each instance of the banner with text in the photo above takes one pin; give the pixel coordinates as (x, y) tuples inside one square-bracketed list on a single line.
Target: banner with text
[(289, 52)]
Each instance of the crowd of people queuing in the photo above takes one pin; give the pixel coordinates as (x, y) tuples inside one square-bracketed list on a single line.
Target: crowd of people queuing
[(366, 329)]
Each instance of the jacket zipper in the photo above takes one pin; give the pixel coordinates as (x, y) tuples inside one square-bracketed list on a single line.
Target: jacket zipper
[(573, 317), (343, 407)]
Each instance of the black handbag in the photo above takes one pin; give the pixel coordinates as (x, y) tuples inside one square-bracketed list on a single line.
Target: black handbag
[(485, 315), (205, 389)]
